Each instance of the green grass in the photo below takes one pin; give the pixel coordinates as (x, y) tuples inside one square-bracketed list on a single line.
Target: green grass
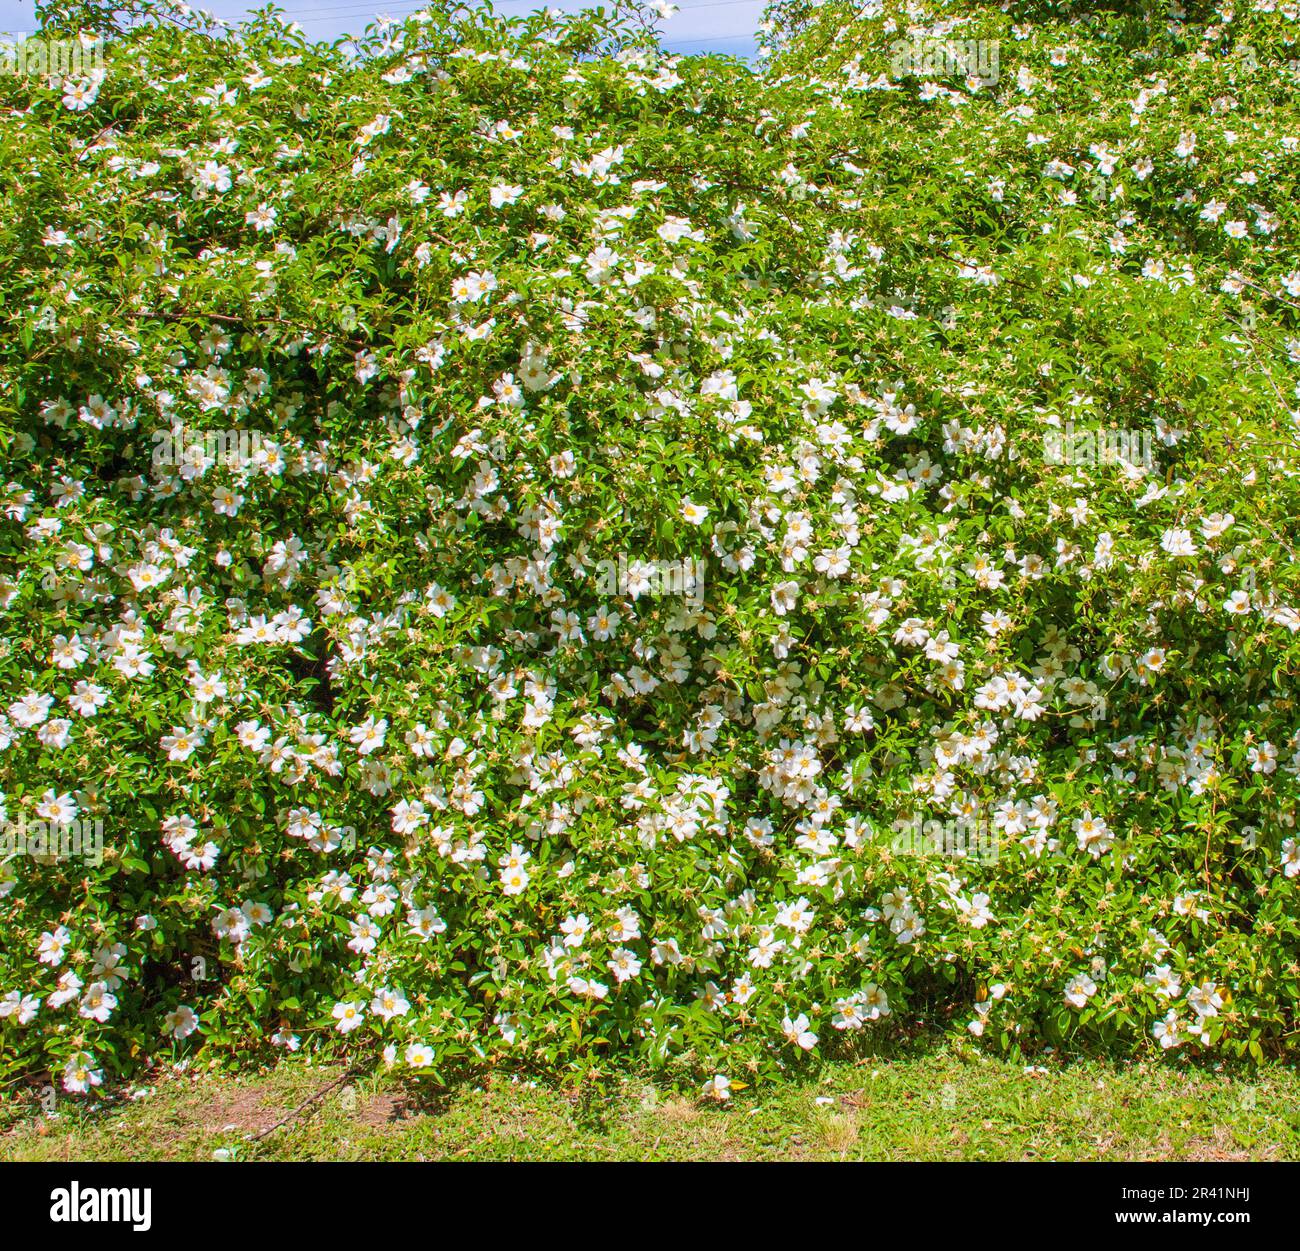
[(943, 1104)]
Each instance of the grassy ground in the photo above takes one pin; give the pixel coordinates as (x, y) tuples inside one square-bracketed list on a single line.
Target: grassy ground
[(938, 1104)]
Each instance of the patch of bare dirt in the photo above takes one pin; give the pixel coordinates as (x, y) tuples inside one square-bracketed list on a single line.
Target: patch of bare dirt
[(386, 1109), (246, 1110), (679, 1109)]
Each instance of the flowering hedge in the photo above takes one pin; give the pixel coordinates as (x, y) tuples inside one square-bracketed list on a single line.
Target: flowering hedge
[(505, 528)]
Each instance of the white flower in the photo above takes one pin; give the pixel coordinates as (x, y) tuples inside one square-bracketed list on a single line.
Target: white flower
[(1164, 981), (674, 229), (79, 96), (1079, 990), (1291, 857), (1093, 834), (1166, 1030), (180, 744), (575, 929), (785, 595), (624, 964), (718, 1087), (797, 1032), (262, 218), (79, 1076), (181, 1022), (348, 1015), (1205, 999), (369, 735), (388, 1004), (22, 1008), (31, 709), (693, 512), (212, 176), (53, 945), (98, 1002)]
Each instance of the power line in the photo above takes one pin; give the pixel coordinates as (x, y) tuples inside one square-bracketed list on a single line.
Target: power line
[(711, 39)]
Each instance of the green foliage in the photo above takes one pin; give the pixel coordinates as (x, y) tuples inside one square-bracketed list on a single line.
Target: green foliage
[(339, 385)]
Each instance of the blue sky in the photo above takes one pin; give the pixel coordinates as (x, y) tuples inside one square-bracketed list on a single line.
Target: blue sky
[(701, 26)]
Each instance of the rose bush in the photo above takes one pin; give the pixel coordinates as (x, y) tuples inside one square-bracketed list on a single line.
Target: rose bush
[(505, 527)]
